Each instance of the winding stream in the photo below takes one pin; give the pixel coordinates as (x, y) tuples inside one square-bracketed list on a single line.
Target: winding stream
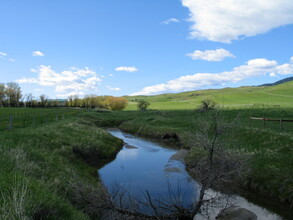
[(144, 165)]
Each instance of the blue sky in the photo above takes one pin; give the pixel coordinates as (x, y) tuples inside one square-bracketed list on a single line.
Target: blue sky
[(131, 47)]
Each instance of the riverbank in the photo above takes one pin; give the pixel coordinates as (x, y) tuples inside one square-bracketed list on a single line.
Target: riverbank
[(270, 151), (50, 172)]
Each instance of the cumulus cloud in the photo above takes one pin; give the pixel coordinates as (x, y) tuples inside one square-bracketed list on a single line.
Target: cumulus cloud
[(226, 20), (126, 68), (170, 20), (72, 81), (38, 53), (253, 68), (210, 55), (113, 89)]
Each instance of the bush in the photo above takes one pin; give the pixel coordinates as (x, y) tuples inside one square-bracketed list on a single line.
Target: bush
[(143, 104), (207, 105), (116, 103)]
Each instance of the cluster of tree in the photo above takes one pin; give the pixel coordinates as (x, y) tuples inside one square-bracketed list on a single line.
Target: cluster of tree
[(11, 96), (93, 101), (42, 101)]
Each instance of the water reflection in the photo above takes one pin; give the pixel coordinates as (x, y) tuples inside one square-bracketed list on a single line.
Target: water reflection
[(147, 166)]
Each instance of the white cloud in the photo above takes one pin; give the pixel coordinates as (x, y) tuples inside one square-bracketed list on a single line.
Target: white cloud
[(114, 89), (170, 20), (77, 81), (227, 20), (110, 75), (38, 53), (39, 90), (27, 80), (126, 68), (210, 55), (253, 68), (2, 54)]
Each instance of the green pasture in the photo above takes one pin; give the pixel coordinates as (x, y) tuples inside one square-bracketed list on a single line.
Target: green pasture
[(11, 118), (280, 96)]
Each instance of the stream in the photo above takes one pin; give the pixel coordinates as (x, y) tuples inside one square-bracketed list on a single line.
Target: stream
[(146, 166)]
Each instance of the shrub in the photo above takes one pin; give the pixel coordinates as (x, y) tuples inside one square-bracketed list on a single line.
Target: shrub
[(207, 105), (116, 103), (143, 104)]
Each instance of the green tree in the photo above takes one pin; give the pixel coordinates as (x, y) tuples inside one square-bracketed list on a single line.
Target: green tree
[(2, 95), (142, 104), (207, 105), (13, 94)]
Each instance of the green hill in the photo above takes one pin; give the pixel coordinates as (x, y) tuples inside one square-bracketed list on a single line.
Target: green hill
[(288, 79), (280, 95)]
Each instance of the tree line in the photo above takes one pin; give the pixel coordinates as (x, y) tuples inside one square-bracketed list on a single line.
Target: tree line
[(93, 101), (11, 96)]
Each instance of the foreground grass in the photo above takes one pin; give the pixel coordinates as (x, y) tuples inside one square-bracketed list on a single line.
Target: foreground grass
[(43, 171), (269, 148)]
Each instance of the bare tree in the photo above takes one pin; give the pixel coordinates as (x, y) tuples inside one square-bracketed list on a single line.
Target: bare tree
[(212, 165), (29, 98), (43, 100)]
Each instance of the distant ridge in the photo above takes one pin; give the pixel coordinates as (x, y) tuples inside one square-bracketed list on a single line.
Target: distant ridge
[(288, 79)]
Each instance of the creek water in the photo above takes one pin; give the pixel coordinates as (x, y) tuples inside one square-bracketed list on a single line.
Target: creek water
[(147, 166)]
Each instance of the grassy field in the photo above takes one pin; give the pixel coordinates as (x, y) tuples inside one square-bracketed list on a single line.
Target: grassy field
[(280, 96), (270, 149), (49, 157), (50, 172), (11, 118)]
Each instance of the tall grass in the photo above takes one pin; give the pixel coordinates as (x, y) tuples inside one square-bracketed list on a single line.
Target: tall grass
[(41, 175)]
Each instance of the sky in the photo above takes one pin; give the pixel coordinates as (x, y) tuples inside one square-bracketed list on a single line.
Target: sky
[(143, 47)]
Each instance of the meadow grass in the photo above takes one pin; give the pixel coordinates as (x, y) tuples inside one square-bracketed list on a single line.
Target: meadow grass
[(11, 118), (44, 174), (239, 98)]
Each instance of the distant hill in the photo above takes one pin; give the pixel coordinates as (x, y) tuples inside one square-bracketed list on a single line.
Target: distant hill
[(276, 95), (288, 79)]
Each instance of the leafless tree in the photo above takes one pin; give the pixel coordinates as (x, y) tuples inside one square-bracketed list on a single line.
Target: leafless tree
[(29, 98), (212, 164), (43, 100)]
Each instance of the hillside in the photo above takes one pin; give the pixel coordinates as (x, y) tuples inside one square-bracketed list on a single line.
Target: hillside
[(288, 79), (274, 96)]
